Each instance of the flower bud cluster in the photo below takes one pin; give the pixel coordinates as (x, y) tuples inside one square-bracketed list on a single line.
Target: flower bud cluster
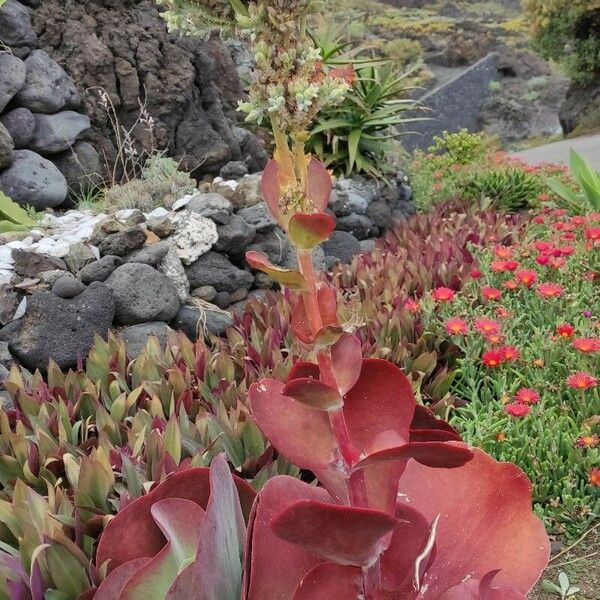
[(291, 86)]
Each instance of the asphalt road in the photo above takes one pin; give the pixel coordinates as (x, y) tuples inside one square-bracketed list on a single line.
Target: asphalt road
[(558, 152)]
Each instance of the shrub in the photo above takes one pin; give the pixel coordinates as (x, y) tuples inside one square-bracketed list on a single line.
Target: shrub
[(460, 148), (561, 24), (402, 52), (543, 308)]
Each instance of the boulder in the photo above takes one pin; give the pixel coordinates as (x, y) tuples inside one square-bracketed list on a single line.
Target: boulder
[(142, 294), (31, 264), (58, 132), (16, 30), (258, 216), (149, 255), (235, 169), (212, 206), (342, 246), (215, 269), (67, 286), (380, 214), (123, 242), (59, 329), (162, 226), (223, 300), (247, 192), (206, 293), (136, 336), (7, 148), (100, 270), (20, 123), (170, 266), (358, 225), (352, 195), (47, 87), (202, 318), (80, 166), (582, 103), (12, 76), (130, 216), (33, 180), (235, 237), (194, 236)]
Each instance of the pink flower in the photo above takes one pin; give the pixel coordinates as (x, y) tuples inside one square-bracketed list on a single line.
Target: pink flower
[(509, 353), (526, 276), (456, 326), (492, 358), (550, 290), (491, 293), (581, 380), (527, 396), (586, 345), (487, 326), (514, 409), (443, 294)]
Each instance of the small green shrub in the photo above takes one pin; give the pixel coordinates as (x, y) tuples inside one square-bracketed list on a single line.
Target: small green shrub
[(161, 184), (495, 87), (460, 147), (510, 189), (402, 51)]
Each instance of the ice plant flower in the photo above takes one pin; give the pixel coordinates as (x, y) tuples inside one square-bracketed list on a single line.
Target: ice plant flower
[(527, 396), (594, 476), (494, 338), (510, 284), (586, 345), (542, 259), (491, 293), (565, 330), (456, 326), (502, 312), (526, 276), (487, 326), (587, 441), (516, 409), (492, 358), (581, 380), (550, 290), (412, 306), (476, 274), (503, 252), (592, 236), (509, 353), (443, 294)]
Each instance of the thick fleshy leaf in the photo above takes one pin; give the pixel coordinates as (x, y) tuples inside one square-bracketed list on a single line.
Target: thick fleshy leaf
[(313, 393), (274, 567), (346, 359), (430, 454), (329, 581), (474, 589), (271, 191), (319, 184), (281, 419), (133, 533), (287, 277), (112, 586), (222, 540), (481, 527), (433, 435), (308, 230), (425, 419), (342, 534), (303, 369), (181, 523), (327, 299), (398, 563)]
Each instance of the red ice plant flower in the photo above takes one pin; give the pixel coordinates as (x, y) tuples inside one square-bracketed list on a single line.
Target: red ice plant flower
[(503, 252), (443, 294), (516, 409), (492, 358), (487, 326), (412, 306), (586, 345), (491, 293), (581, 380), (594, 476), (510, 284), (509, 353), (565, 330), (456, 326), (526, 276), (527, 396), (550, 290), (587, 441)]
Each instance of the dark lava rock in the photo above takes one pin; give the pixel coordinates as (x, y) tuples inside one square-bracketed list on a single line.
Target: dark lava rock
[(258, 216), (7, 148), (142, 294), (149, 255), (31, 264), (100, 270), (20, 123), (59, 329), (194, 320), (358, 225), (215, 269), (123, 242), (136, 336), (12, 77), (235, 237), (68, 286), (342, 245), (235, 169)]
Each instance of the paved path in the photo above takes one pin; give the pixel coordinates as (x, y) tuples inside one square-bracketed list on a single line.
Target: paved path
[(558, 152)]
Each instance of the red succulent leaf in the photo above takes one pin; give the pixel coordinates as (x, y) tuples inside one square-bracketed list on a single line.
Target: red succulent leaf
[(329, 581), (482, 527), (281, 419), (346, 358), (430, 454), (343, 534), (474, 589), (327, 299), (181, 523), (303, 369), (319, 185), (313, 393), (113, 584), (433, 435), (287, 277), (271, 191), (308, 230), (274, 567), (134, 534), (425, 419)]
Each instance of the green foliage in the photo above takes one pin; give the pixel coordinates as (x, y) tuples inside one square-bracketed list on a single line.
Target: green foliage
[(161, 184), (588, 195), (557, 443), (460, 147), (357, 136), (402, 52), (510, 189), (14, 217), (564, 589)]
